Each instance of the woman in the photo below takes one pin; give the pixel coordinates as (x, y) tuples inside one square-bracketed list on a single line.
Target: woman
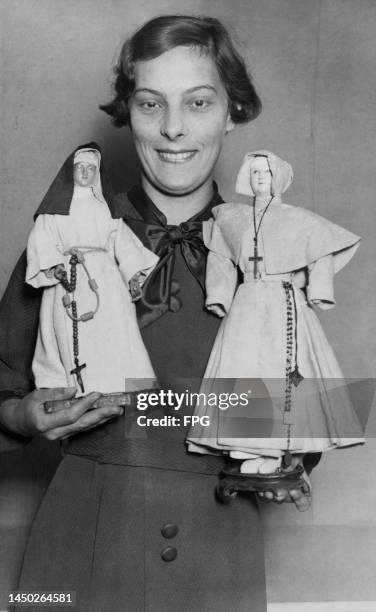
[(129, 521)]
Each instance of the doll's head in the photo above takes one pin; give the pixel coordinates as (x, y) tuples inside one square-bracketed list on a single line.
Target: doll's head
[(68, 184), (86, 173), (86, 165), (262, 173), (260, 176)]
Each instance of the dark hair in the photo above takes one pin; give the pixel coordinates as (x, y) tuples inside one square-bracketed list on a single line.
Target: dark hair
[(165, 33)]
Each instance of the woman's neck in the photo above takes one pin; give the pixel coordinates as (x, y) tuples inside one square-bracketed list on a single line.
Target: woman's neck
[(178, 209)]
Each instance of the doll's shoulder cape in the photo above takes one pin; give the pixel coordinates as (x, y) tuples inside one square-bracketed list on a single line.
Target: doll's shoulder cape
[(293, 237), (222, 233), (296, 237)]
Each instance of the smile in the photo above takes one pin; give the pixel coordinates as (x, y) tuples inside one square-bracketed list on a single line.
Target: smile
[(176, 158)]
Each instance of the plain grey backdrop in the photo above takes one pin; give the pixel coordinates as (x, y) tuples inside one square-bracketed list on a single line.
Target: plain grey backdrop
[(314, 65)]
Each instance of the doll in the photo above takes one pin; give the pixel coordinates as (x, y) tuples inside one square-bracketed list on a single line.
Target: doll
[(287, 257), (84, 256)]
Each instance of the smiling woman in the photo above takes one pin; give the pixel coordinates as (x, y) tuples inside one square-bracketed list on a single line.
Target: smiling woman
[(121, 491), (181, 86), (179, 124)]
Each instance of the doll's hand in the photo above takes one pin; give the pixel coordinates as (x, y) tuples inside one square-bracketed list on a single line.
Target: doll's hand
[(322, 304), (55, 271), (27, 417), (217, 309), (135, 285), (59, 271)]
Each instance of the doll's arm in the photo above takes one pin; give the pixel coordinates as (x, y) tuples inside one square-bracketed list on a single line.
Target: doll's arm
[(43, 254), (320, 283), (221, 281), (132, 256)]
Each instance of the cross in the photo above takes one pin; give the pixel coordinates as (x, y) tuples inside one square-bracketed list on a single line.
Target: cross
[(77, 372), (256, 258)]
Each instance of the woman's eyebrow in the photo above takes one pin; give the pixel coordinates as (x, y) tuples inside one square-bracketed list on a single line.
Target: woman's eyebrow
[(148, 90), (193, 89), (187, 91)]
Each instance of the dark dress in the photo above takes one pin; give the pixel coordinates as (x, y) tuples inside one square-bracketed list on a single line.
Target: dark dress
[(128, 522)]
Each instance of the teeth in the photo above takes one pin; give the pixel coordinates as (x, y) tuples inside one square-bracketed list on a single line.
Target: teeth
[(176, 157)]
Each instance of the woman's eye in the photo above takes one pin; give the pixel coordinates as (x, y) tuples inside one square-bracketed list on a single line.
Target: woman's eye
[(149, 105), (200, 104)]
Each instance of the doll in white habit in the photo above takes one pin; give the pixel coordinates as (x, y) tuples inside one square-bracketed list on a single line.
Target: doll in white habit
[(287, 257), (84, 256)]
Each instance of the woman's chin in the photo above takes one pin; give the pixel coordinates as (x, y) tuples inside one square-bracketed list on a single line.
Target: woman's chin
[(178, 188)]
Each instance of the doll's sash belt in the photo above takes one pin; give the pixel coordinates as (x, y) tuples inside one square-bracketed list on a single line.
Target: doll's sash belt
[(76, 250), (248, 277)]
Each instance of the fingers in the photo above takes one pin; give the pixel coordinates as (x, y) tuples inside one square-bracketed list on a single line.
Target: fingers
[(86, 421), (279, 496), (63, 433), (57, 393), (69, 415), (265, 496)]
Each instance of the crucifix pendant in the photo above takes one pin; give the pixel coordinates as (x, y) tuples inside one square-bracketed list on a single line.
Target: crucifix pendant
[(77, 372), (256, 258)]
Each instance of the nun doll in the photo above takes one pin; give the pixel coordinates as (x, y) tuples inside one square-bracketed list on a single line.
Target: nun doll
[(85, 257), (270, 342)]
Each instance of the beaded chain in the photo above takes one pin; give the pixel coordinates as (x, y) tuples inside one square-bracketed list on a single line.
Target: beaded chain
[(70, 286), (293, 376)]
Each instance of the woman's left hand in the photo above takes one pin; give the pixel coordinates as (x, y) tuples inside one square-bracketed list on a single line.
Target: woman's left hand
[(283, 495)]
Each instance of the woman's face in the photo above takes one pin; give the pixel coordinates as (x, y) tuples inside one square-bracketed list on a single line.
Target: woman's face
[(261, 178), (179, 117)]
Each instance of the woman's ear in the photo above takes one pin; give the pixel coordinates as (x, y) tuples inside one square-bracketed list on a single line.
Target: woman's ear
[(229, 123)]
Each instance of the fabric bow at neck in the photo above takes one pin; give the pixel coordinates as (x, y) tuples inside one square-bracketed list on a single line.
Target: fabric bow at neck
[(163, 241), (159, 291)]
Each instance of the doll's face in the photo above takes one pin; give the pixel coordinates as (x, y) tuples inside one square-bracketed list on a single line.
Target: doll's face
[(261, 178), (84, 174)]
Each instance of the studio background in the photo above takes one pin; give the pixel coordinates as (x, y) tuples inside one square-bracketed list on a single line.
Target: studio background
[(313, 63)]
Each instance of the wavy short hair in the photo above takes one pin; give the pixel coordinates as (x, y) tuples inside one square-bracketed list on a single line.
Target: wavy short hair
[(165, 33)]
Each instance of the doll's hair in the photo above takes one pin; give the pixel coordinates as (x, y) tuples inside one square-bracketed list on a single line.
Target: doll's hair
[(167, 32)]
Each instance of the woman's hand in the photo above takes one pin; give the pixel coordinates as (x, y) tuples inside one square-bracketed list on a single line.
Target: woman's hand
[(296, 496), (27, 417), (282, 495)]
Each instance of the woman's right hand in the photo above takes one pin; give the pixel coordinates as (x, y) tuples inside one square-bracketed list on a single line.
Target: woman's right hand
[(27, 417)]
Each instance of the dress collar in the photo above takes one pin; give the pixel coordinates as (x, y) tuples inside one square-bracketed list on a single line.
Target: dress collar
[(150, 213)]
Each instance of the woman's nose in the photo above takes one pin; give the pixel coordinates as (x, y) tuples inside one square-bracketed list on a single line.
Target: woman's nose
[(173, 125)]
